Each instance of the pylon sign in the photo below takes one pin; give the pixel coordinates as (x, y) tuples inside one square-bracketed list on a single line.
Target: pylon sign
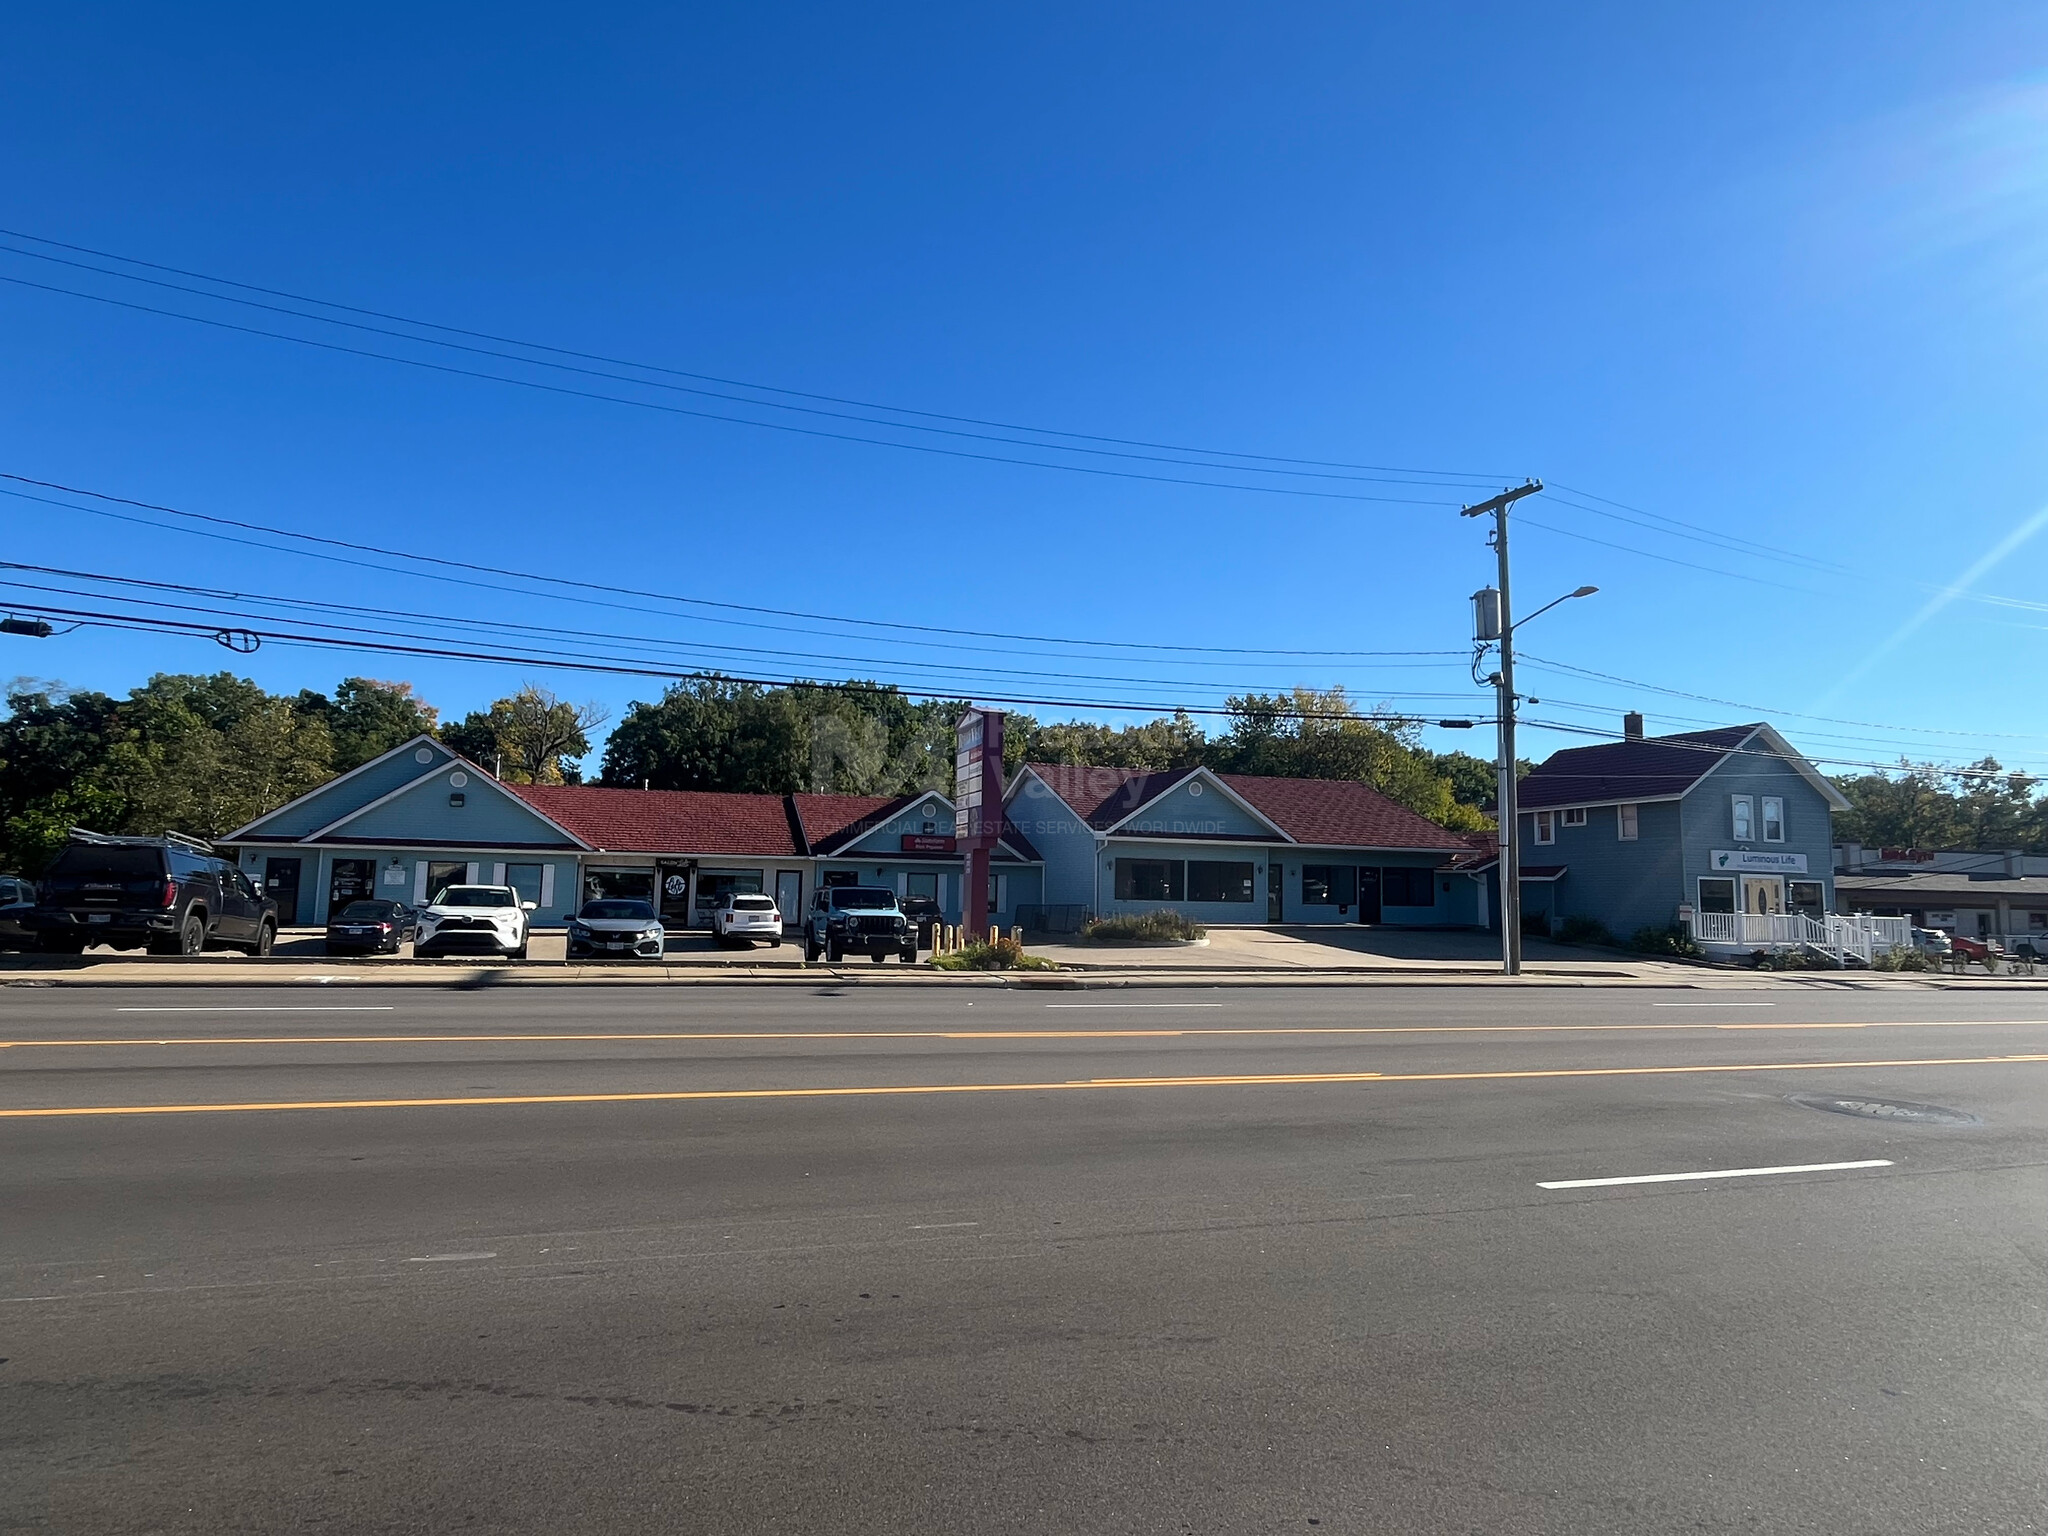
[(978, 779)]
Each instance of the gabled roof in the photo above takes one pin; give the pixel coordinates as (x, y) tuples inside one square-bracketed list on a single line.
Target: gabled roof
[(1102, 797), (669, 820), (1338, 813), (1655, 768), (833, 823)]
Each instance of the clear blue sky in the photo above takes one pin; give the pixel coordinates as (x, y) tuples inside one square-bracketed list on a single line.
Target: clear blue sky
[(1780, 273)]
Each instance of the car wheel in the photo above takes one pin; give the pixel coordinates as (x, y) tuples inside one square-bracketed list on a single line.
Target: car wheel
[(909, 953), (520, 952), (266, 939), (832, 954), (810, 952), (192, 937), (776, 942)]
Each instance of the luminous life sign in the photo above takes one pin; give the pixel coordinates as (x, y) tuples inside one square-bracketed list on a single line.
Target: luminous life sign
[(1759, 860)]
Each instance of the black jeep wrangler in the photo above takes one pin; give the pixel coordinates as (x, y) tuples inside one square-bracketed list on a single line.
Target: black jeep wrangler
[(858, 920), (169, 893)]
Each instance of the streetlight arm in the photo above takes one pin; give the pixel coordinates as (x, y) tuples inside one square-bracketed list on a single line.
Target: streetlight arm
[(1582, 592)]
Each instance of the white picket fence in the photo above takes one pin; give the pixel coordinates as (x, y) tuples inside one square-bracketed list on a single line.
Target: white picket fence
[(1860, 937)]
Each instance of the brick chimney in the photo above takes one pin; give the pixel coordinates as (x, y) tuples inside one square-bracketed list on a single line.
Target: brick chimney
[(1632, 726)]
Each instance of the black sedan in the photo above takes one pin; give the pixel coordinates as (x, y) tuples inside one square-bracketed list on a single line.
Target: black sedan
[(371, 928)]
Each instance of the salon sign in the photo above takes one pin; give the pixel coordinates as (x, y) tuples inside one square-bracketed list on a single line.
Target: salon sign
[(1759, 861)]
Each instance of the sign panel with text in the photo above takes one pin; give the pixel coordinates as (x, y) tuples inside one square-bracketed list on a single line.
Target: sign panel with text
[(978, 778), (1759, 860)]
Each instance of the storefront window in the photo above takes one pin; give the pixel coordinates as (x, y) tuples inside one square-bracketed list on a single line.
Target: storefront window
[(1316, 880), (925, 885), (1806, 896), (712, 884), (1149, 879), (441, 874), (1717, 895), (618, 885), (525, 879), (1214, 880), (1407, 887)]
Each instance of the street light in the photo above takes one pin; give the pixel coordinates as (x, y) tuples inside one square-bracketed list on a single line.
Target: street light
[(1492, 624)]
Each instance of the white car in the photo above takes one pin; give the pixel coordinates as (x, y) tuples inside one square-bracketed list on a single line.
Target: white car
[(473, 919), (743, 916)]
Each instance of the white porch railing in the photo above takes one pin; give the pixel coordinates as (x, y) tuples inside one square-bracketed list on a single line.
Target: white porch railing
[(1860, 937)]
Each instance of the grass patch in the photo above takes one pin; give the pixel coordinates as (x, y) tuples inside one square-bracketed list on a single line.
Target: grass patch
[(1004, 954), (1143, 928)]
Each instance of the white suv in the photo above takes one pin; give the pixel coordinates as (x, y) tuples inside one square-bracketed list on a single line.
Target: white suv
[(742, 916), (473, 919)]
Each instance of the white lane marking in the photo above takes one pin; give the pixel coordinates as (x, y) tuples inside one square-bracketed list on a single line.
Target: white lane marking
[(277, 1008), (940, 1226), (1134, 1005), (1714, 1173), (449, 1258), (1713, 1005)]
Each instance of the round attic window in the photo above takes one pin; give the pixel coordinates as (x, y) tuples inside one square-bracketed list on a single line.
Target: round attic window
[(1194, 791), (930, 810), (424, 755), (457, 780)]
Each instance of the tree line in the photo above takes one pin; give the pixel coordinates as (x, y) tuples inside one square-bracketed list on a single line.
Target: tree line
[(207, 754)]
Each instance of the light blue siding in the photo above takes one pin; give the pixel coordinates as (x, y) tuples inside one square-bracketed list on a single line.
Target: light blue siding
[(887, 838), (316, 873), (488, 817), (1197, 810), (1062, 839), (1296, 908), (333, 801)]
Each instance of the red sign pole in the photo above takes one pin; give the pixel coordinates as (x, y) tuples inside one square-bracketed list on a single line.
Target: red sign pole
[(978, 809)]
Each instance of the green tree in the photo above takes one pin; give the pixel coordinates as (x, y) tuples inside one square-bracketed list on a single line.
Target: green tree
[(533, 737), (366, 718)]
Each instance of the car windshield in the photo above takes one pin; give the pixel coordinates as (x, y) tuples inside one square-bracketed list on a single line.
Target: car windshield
[(476, 896), (367, 911), (861, 898), (618, 909), (752, 904)]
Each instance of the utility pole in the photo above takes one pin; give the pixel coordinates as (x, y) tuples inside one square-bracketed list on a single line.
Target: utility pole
[(1510, 864)]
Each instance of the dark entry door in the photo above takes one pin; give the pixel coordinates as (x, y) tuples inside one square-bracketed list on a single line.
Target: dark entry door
[(673, 882), (350, 880), (1275, 907), (281, 885), (1368, 893)]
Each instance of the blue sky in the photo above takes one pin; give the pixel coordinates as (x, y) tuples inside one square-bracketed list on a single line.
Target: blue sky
[(1773, 274)]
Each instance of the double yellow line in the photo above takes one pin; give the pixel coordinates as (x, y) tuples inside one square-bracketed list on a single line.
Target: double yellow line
[(703, 1095)]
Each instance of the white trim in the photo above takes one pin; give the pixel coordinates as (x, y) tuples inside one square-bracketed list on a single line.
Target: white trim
[(475, 876), (1738, 832), (1205, 776), (1835, 798), (1622, 834), (1763, 817), (419, 882), (498, 874), (1538, 827), (1594, 805), (547, 885), (322, 789)]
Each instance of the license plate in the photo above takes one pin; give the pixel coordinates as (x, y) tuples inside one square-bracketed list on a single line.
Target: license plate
[(617, 944), (99, 917)]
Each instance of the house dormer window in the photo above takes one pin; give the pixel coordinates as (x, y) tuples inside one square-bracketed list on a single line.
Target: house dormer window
[(1742, 818), (1774, 819), (1546, 828)]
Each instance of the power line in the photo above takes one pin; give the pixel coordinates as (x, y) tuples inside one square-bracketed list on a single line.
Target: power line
[(536, 346), (1704, 698), (678, 410), (588, 586), (192, 629)]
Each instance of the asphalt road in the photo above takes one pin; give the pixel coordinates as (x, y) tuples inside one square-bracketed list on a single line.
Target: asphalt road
[(1215, 1260)]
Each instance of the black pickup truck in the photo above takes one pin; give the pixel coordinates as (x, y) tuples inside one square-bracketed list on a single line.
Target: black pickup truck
[(169, 893)]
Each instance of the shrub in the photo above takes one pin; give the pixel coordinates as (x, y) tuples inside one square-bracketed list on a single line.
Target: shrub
[(1902, 959), (1159, 927), (1794, 960), (1002, 954), (1583, 930), (1673, 939)]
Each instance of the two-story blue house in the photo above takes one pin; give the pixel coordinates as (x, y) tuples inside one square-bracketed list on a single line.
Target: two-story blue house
[(1629, 833)]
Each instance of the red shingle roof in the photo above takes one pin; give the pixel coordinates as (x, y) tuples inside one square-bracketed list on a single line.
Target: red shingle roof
[(1337, 813), (828, 822), (667, 820), (1340, 813)]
